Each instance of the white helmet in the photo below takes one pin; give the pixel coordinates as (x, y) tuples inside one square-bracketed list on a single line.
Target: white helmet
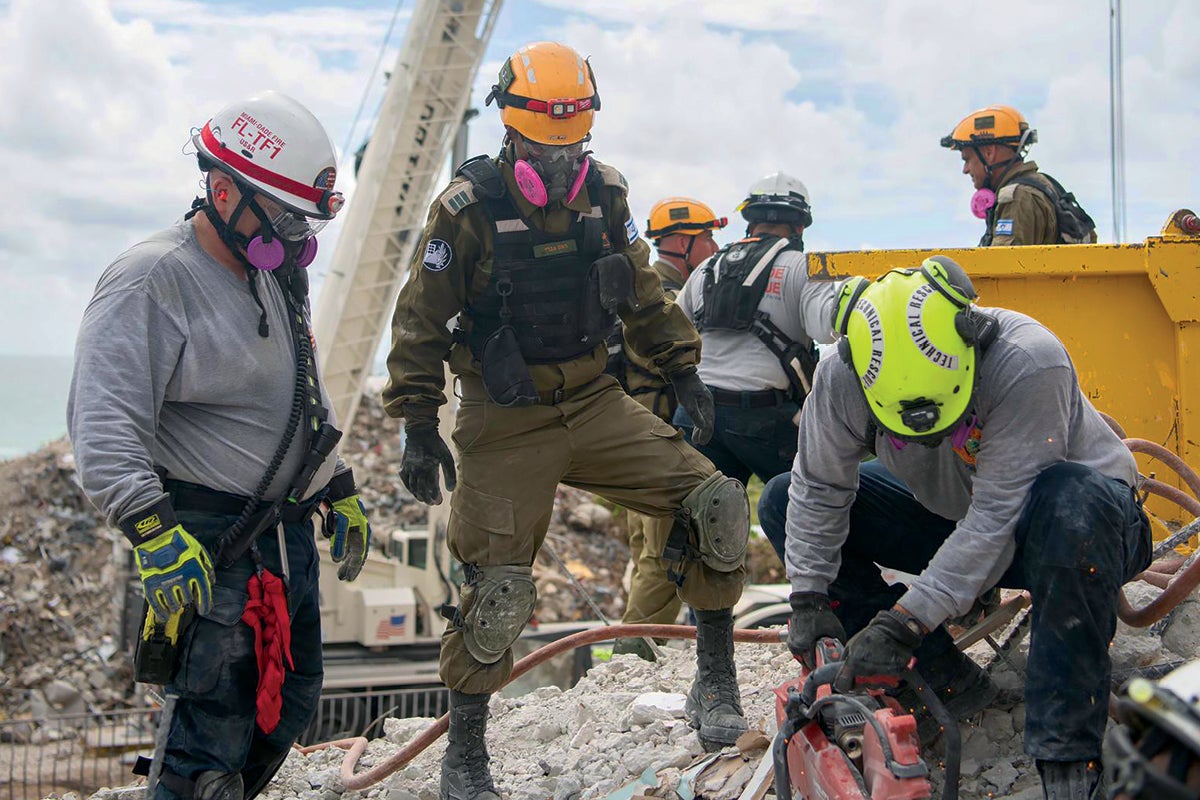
[(279, 148), (777, 198), (1162, 719)]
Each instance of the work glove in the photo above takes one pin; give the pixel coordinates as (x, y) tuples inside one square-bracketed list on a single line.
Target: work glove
[(176, 572), (419, 466), (344, 523), (812, 619), (878, 654), (697, 401)]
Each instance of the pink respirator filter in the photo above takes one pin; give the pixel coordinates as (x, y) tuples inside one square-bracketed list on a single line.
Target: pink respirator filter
[(530, 183), (981, 201), (269, 256), (533, 188)]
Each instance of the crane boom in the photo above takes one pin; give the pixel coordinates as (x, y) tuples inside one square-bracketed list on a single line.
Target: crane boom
[(426, 98)]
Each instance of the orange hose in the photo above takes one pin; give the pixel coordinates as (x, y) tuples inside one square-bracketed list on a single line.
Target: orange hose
[(356, 746), (1155, 450), (1174, 592), (1185, 580)]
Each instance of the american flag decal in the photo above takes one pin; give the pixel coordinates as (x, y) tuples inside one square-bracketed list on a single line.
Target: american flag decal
[(392, 626)]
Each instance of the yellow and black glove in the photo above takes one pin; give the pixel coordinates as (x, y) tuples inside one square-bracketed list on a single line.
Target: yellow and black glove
[(346, 527), (175, 569)]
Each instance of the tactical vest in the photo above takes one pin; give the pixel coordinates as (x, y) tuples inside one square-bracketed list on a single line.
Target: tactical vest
[(735, 280), (543, 285)]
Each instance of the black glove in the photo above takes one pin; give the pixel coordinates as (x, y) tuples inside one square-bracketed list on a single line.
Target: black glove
[(812, 619), (697, 401), (879, 653), (419, 466)]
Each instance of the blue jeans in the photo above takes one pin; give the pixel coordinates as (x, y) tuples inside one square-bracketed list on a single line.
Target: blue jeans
[(217, 682), (1081, 536), (749, 441)]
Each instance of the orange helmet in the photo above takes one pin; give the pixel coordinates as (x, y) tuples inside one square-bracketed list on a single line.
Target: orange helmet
[(682, 215), (992, 125), (546, 92)]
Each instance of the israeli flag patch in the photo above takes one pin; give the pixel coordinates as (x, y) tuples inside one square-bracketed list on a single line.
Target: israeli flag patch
[(437, 255), (1004, 227), (631, 229)]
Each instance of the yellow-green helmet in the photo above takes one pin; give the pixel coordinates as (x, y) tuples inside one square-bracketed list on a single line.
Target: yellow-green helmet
[(910, 337)]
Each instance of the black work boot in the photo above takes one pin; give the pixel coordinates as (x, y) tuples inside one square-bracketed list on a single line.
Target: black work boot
[(637, 646), (465, 773), (963, 687), (714, 705), (1071, 780)]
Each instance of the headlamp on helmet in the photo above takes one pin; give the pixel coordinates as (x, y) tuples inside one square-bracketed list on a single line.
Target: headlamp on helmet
[(911, 338), (547, 93)]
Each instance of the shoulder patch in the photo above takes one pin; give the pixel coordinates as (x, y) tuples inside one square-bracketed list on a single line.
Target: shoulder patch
[(631, 230), (1006, 194), (437, 255), (460, 195), (1004, 227), (612, 177)]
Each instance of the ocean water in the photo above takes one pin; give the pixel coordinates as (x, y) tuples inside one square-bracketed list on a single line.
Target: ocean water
[(33, 402)]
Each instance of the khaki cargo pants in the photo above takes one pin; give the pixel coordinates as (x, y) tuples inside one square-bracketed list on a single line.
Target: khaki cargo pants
[(511, 460), (652, 596)]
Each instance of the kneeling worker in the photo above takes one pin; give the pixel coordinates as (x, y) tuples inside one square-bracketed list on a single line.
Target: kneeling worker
[(993, 469)]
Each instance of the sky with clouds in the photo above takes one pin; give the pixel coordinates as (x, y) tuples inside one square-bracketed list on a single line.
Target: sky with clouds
[(701, 97)]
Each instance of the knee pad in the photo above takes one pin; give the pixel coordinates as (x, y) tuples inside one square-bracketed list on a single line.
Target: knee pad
[(720, 517), (215, 785), (504, 599)]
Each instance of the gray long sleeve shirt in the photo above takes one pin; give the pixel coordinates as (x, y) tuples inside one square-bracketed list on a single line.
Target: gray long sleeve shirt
[(170, 371), (1032, 415), (738, 360)]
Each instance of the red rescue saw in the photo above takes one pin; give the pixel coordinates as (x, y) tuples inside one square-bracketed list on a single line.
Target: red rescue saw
[(854, 746)]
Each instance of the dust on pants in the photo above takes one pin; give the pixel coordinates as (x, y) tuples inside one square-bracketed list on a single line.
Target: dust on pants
[(511, 461)]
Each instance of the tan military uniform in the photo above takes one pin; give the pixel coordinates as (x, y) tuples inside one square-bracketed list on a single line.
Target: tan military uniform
[(1023, 215), (643, 383), (652, 596), (585, 432)]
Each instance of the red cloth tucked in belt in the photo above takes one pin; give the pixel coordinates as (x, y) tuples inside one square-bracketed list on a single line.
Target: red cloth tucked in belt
[(267, 615)]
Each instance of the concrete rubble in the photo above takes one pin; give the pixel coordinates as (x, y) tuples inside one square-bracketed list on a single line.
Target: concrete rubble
[(60, 652)]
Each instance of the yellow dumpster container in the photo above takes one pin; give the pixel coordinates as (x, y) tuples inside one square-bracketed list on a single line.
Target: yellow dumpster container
[(1128, 315)]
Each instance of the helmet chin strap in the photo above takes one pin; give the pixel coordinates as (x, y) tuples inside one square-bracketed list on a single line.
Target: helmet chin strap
[(237, 242), (987, 168)]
